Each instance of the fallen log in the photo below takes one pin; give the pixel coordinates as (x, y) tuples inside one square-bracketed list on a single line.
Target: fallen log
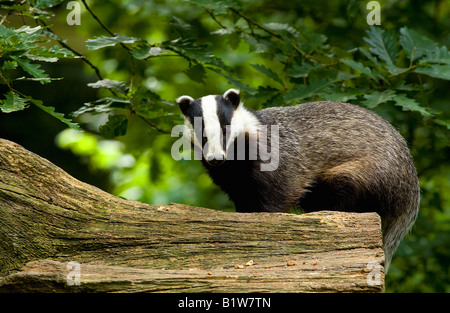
[(58, 234)]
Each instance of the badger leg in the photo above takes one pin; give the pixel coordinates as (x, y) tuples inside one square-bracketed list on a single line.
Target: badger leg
[(361, 186), (346, 187)]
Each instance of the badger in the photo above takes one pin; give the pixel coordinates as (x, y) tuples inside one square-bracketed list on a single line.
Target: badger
[(326, 156)]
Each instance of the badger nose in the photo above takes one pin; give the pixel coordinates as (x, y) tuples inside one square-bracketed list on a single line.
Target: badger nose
[(216, 159)]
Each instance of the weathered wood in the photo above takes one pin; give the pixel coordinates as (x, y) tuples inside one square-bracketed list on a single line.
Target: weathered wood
[(48, 218)]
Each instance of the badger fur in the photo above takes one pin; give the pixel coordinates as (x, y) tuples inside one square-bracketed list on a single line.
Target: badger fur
[(332, 156)]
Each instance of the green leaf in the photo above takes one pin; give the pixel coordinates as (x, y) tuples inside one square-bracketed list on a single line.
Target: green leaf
[(264, 92), (437, 55), (383, 44), (283, 28), (197, 73), (20, 40), (45, 4), (49, 55), (309, 41), (144, 95), (375, 98), (232, 34), (105, 41), (394, 70), (339, 94), (148, 104), (257, 45), (445, 123), (16, 42), (359, 67), (320, 78), (306, 91), (217, 6), (110, 84), (6, 32), (13, 103), (146, 51), (28, 30), (437, 71), (372, 58), (51, 111), (321, 73), (268, 72), (115, 126), (32, 79), (402, 85), (409, 104), (189, 49), (32, 69), (180, 28), (103, 105), (9, 65), (234, 81), (415, 44), (41, 58), (93, 108), (300, 70)]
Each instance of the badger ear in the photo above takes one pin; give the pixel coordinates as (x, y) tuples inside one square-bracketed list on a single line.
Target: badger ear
[(233, 96), (184, 102)]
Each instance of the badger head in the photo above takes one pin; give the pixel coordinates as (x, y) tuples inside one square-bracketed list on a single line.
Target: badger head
[(215, 121)]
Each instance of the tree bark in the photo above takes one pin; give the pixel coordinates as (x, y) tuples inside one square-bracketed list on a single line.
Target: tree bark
[(58, 234)]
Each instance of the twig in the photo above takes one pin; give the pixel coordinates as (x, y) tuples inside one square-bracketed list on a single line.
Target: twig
[(6, 82), (132, 63), (215, 19), (270, 32), (5, 16), (96, 69), (132, 72), (112, 34), (103, 25), (267, 30), (154, 125), (82, 57), (97, 19)]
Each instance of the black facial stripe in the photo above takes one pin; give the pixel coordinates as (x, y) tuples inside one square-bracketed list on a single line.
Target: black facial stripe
[(195, 110), (225, 114)]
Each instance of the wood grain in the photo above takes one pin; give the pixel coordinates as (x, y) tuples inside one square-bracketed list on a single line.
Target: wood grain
[(48, 218)]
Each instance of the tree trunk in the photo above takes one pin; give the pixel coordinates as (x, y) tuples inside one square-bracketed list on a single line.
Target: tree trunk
[(59, 234)]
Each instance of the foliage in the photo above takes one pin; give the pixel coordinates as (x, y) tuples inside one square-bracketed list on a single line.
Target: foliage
[(146, 53), (23, 47)]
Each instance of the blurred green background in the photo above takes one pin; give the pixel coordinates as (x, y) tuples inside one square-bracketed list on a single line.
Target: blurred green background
[(138, 165)]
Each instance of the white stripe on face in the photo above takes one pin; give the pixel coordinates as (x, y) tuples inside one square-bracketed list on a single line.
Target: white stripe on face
[(213, 131), (242, 122)]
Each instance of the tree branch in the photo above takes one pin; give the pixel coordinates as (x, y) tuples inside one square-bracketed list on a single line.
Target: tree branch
[(96, 69), (128, 246), (270, 32), (97, 19), (81, 56), (215, 19)]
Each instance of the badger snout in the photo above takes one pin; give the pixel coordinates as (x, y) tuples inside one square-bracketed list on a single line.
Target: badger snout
[(215, 159)]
